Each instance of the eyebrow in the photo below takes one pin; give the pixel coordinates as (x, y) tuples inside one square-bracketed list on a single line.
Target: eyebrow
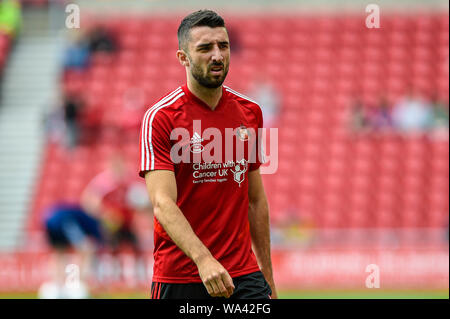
[(205, 45)]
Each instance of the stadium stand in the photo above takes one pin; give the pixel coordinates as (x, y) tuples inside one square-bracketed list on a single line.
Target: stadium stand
[(327, 175)]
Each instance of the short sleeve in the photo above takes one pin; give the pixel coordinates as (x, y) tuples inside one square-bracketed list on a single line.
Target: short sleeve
[(155, 142), (260, 158)]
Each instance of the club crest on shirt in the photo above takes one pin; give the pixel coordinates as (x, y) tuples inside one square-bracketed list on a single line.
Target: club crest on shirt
[(242, 133), (196, 143), (239, 171)]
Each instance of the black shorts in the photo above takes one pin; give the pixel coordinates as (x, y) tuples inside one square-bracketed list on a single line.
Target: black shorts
[(57, 239), (251, 286)]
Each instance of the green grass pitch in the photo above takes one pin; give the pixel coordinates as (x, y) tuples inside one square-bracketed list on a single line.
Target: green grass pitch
[(284, 294)]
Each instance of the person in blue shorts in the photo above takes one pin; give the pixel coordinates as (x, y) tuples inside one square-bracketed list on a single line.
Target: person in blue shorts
[(73, 236)]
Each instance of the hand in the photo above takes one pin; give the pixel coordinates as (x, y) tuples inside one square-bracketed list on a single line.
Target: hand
[(269, 278), (215, 277), (274, 292)]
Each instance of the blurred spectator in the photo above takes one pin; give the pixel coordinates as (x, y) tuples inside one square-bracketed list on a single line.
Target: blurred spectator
[(62, 122), (54, 124), (440, 114), (100, 40), (10, 17), (263, 92), (359, 119), (382, 118), (72, 106), (70, 229), (440, 119), (77, 53), (111, 195), (412, 114), (374, 118)]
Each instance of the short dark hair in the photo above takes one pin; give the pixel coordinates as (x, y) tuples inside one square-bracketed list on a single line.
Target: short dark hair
[(201, 18)]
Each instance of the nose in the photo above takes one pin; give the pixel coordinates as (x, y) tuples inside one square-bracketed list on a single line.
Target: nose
[(217, 55)]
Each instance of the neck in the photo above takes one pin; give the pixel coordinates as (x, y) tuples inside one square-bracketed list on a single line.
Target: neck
[(210, 96)]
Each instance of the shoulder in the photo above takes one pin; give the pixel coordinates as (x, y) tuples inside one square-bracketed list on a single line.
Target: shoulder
[(164, 105), (244, 101)]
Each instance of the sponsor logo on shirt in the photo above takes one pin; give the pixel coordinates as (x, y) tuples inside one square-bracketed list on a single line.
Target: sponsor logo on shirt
[(239, 171), (196, 146), (219, 172)]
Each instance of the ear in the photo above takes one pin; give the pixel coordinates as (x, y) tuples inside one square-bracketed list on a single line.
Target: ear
[(182, 58)]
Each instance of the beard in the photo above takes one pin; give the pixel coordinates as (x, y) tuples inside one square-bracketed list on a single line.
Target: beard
[(207, 80)]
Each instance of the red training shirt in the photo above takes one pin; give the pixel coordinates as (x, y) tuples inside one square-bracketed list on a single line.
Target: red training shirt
[(213, 195)]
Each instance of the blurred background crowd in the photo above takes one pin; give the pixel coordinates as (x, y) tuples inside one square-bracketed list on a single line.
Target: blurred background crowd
[(362, 117)]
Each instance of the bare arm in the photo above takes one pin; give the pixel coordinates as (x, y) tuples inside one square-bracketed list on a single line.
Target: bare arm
[(90, 201), (161, 186), (258, 215)]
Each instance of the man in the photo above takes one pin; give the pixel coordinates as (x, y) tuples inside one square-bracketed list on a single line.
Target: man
[(69, 229), (109, 195), (206, 218), (106, 196)]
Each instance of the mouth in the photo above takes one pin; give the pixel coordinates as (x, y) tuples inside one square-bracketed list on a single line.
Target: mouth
[(216, 70)]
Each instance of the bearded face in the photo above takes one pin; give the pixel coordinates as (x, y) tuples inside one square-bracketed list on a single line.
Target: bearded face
[(212, 76), (209, 56)]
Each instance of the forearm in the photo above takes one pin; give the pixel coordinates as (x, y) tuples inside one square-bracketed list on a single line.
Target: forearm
[(179, 230), (260, 234)]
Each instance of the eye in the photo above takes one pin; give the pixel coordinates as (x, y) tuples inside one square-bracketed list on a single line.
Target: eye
[(203, 49)]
